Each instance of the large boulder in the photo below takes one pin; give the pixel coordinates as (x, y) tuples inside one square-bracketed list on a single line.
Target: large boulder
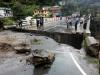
[(92, 46), (42, 57)]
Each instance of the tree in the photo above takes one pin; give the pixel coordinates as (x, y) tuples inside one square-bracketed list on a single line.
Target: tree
[(1, 24), (18, 10), (22, 8), (28, 9)]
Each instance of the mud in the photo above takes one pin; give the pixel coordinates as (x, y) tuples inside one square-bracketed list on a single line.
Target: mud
[(4, 47)]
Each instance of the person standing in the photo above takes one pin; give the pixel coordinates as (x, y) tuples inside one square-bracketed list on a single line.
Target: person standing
[(60, 17), (76, 25), (85, 25), (20, 23), (37, 22), (81, 23), (67, 22), (70, 22), (41, 22)]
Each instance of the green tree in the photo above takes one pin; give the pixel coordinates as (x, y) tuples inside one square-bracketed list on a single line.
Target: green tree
[(22, 8), (18, 10)]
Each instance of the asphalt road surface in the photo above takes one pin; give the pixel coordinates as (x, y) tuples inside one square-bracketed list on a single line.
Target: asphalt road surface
[(61, 26)]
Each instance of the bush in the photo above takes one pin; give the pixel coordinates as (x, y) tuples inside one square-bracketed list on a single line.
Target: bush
[(1, 24), (36, 15), (36, 41), (8, 21), (49, 15), (84, 44)]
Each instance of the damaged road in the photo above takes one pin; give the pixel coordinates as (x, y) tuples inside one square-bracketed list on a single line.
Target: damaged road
[(68, 60)]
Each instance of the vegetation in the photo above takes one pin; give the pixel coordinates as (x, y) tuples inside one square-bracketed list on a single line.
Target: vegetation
[(49, 15), (92, 60), (22, 8), (1, 25), (8, 21), (95, 25), (36, 41), (84, 44)]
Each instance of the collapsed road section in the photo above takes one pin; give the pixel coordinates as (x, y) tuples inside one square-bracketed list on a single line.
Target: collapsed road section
[(73, 39), (12, 63)]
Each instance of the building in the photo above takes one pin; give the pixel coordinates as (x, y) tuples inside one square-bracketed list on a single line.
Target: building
[(55, 10), (46, 11), (5, 12), (41, 12)]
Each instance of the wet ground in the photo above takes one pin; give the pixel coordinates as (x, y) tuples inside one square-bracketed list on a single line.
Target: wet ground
[(68, 60), (62, 29)]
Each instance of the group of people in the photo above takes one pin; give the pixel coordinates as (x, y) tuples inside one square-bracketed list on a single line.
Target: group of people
[(40, 22), (20, 22), (74, 21), (70, 21)]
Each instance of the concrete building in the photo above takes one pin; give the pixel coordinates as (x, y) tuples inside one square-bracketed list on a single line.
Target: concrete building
[(55, 10), (5, 12)]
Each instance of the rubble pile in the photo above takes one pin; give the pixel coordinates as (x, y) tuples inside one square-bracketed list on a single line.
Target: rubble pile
[(14, 42), (22, 45), (22, 48)]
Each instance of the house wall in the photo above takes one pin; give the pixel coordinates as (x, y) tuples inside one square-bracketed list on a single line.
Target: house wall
[(43, 13), (4, 12)]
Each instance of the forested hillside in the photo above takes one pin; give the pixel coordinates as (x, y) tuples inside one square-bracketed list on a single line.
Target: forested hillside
[(23, 8)]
